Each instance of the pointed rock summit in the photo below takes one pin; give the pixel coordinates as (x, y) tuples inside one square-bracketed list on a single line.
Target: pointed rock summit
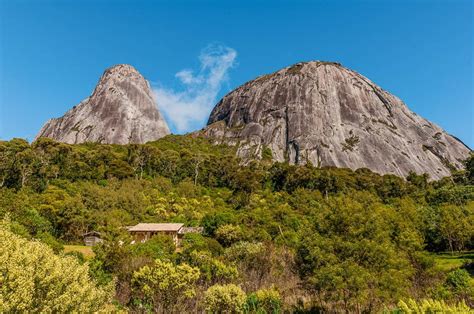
[(329, 115), (121, 110)]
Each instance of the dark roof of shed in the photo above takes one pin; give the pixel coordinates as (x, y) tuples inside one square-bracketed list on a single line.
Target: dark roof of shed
[(91, 233)]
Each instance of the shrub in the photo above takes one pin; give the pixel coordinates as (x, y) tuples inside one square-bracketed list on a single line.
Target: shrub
[(459, 283), (34, 279), (264, 301), (228, 234), (431, 306), (197, 242), (212, 269), (459, 280), (225, 299), (164, 285), (159, 246), (243, 251), (50, 241)]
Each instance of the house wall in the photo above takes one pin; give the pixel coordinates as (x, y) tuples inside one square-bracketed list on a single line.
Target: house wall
[(143, 236), (92, 240)]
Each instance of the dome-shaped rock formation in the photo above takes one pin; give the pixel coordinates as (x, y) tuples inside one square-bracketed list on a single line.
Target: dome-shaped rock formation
[(329, 115), (121, 110)]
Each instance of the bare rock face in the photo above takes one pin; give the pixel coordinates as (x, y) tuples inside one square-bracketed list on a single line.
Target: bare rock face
[(121, 110), (331, 116)]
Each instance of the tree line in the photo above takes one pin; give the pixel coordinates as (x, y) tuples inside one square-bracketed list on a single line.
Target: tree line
[(277, 237)]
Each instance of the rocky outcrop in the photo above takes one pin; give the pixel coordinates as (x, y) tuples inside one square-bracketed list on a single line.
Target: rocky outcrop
[(121, 110), (326, 114)]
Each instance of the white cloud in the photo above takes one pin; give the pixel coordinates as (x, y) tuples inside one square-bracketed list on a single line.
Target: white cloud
[(190, 107)]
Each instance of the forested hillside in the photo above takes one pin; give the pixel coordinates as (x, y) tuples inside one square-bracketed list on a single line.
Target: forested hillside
[(276, 237)]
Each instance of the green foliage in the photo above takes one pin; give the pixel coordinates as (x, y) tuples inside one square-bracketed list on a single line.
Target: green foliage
[(97, 271), (469, 163), (459, 283), (264, 301), (420, 181), (456, 225), (448, 261), (50, 241), (113, 252), (197, 242), (457, 195), (350, 143), (225, 299), (267, 153), (159, 246), (345, 240), (350, 251), (228, 234), (212, 269), (431, 306), (34, 279), (211, 222), (244, 251), (163, 285)]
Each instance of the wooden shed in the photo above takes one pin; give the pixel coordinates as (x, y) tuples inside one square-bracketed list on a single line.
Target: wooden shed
[(91, 238)]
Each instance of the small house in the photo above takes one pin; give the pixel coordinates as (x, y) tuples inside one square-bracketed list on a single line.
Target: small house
[(91, 238), (144, 231)]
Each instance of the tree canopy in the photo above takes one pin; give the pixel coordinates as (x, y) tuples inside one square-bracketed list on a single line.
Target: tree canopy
[(280, 237)]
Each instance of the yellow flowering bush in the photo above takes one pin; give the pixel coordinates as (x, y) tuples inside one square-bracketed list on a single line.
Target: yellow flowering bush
[(163, 286), (34, 279), (225, 299), (432, 306), (269, 300)]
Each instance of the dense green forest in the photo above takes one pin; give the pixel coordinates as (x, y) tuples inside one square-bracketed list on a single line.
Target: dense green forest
[(277, 237)]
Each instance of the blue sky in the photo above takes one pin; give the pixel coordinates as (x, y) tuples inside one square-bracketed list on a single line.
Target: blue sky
[(53, 52)]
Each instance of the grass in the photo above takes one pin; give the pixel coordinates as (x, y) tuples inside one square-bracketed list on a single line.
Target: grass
[(447, 261), (85, 250)]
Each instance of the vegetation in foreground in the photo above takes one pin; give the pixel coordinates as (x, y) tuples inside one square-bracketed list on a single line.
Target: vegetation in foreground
[(277, 237)]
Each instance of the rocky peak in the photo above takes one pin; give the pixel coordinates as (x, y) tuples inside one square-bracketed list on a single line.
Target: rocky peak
[(119, 73), (121, 110), (326, 114)]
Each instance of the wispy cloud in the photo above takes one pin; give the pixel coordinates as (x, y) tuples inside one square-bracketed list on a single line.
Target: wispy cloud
[(190, 106)]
